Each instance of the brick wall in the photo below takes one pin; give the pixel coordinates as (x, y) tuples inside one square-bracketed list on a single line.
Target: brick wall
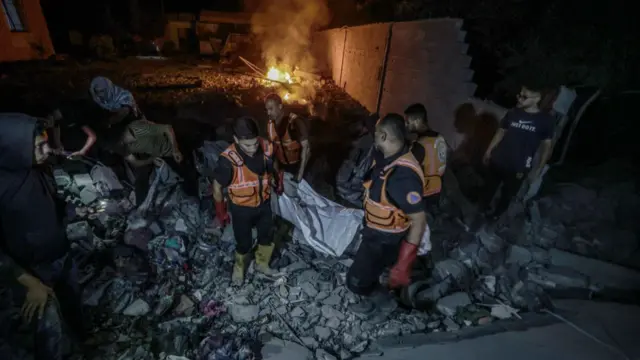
[(426, 62), (15, 46)]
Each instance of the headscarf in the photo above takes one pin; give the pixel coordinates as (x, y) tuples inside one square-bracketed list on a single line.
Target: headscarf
[(111, 97)]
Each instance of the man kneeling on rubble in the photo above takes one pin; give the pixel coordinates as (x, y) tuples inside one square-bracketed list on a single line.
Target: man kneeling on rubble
[(394, 220), (34, 249), (245, 169)]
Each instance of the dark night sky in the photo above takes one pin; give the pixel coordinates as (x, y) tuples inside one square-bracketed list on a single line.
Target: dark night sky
[(195, 5)]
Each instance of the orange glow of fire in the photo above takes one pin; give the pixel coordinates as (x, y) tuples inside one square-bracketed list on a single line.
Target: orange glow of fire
[(279, 75)]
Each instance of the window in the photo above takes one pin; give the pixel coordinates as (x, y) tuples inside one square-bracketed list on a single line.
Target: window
[(13, 14)]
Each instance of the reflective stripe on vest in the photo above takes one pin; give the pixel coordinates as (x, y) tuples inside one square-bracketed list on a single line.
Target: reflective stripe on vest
[(384, 216), (434, 164), (245, 188), (287, 150)]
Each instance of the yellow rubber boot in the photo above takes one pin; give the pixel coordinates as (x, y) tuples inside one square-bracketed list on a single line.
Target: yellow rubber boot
[(239, 269), (263, 257)]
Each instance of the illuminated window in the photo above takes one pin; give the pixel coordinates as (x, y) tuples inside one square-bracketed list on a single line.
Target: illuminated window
[(12, 13)]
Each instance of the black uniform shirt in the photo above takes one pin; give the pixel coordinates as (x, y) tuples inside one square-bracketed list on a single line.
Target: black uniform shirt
[(404, 186), (223, 173)]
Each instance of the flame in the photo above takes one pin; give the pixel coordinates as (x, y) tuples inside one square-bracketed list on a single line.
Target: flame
[(279, 75), (283, 76)]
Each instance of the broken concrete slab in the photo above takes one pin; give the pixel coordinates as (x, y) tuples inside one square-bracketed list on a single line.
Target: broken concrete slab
[(244, 313), (449, 305), (278, 349), (601, 272), (137, 308)]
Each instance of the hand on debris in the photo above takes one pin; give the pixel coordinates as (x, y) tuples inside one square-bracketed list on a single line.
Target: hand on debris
[(76, 154), (222, 214), (177, 156), (36, 299), (158, 162)]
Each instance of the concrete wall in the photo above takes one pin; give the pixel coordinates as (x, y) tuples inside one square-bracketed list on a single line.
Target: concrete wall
[(426, 62), (15, 46)]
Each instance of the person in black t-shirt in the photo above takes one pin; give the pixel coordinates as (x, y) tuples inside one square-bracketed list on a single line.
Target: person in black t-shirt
[(509, 158), (71, 130)]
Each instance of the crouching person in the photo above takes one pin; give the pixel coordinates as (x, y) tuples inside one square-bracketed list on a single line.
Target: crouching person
[(246, 169), (394, 221)]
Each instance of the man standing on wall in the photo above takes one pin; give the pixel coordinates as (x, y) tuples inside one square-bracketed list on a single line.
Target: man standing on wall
[(290, 137), (523, 131), (430, 149), (394, 221)]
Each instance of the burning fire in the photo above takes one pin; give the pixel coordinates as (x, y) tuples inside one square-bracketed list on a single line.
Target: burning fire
[(279, 75), (284, 76)]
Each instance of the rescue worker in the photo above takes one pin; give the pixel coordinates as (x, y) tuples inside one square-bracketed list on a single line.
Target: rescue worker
[(290, 137), (34, 249), (246, 169), (509, 158), (430, 149), (394, 220)]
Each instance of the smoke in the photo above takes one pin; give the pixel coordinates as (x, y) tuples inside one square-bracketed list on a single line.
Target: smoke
[(283, 29)]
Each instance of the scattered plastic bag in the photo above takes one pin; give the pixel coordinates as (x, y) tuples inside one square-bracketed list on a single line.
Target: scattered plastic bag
[(167, 253)]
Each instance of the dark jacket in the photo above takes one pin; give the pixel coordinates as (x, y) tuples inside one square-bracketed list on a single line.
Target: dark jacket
[(32, 233)]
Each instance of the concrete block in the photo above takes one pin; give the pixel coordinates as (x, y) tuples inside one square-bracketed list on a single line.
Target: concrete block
[(601, 272), (83, 180)]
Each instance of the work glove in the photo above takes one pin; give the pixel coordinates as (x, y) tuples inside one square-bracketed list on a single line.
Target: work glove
[(400, 274), (221, 213), (280, 183)]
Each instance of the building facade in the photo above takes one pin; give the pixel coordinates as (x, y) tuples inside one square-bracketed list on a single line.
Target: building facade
[(23, 31)]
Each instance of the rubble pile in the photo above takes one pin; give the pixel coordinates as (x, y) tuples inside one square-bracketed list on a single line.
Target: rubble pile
[(159, 283), (594, 221), (157, 279)]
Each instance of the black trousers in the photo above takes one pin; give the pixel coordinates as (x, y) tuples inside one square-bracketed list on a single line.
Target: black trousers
[(244, 219), (432, 203), (65, 311), (511, 182), (377, 252), (290, 168), (186, 170)]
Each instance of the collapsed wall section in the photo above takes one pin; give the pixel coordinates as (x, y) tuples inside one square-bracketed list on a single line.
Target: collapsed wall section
[(391, 65)]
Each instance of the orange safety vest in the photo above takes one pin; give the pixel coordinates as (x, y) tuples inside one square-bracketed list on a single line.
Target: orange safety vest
[(288, 151), (245, 188), (434, 164), (383, 215)]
